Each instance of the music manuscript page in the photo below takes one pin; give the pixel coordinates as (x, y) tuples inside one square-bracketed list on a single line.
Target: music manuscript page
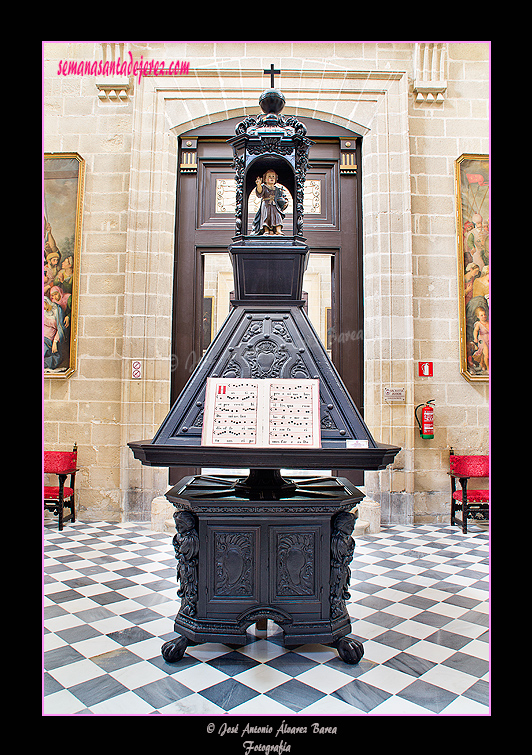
[(262, 413)]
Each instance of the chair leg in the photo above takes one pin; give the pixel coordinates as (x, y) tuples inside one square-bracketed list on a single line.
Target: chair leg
[(463, 485), (61, 500), (455, 508), (453, 502)]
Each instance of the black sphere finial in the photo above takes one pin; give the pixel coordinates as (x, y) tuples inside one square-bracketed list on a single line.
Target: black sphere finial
[(272, 101)]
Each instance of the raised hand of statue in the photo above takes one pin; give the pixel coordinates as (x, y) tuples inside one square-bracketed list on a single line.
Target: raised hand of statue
[(258, 182)]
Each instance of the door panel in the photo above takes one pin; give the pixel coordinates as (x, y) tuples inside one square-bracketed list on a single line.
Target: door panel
[(213, 176), (218, 285)]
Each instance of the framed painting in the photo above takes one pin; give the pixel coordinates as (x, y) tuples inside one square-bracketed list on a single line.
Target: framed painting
[(472, 201), (63, 177)]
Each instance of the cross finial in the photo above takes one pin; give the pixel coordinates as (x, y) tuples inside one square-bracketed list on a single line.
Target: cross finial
[(271, 70)]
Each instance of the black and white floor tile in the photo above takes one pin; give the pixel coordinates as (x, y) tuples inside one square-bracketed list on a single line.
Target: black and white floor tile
[(419, 604)]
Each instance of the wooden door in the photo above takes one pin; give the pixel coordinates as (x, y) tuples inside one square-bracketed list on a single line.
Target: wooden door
[(205, 226)]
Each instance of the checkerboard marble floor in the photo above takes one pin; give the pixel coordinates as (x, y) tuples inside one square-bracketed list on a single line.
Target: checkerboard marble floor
[(419, 604)]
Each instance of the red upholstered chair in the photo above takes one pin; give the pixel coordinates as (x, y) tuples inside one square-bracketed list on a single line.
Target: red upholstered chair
[(62, 464), (472, 504)]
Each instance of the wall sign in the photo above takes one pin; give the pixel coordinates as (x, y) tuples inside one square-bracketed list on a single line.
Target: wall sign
[(395, 394)]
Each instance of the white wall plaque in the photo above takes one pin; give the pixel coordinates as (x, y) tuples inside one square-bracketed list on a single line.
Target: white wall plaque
[(395, 394)]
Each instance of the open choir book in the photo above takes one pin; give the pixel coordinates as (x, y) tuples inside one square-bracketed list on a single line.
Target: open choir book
[(266, 413)]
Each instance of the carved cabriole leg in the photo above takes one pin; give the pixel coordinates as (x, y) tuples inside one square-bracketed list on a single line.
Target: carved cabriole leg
[(186, 547), (342, 548)]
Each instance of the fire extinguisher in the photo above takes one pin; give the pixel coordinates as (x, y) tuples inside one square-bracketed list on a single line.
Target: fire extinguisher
[(426, 426)]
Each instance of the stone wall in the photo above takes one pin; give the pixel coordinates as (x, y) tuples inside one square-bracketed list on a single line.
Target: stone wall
[(126, 130)]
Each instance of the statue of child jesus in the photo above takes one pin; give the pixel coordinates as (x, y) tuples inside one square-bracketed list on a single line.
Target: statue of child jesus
[(270, 215)]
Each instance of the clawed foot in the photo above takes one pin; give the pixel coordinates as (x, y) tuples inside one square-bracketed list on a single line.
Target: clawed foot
[(350, 650), (174, 650)]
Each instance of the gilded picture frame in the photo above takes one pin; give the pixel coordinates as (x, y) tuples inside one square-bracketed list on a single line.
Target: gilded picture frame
[(472, 206), (63, 184)]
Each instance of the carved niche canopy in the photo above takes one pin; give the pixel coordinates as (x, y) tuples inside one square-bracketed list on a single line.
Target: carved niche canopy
[(270, 140)]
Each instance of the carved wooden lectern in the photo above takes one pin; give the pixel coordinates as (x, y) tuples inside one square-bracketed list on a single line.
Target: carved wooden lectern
[(264, 546)]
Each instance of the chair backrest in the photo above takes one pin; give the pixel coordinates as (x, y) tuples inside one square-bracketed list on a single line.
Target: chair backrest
[(60, 462), (470, 466)]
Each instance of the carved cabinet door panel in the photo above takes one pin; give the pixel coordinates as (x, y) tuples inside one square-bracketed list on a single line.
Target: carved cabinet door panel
[(231, 567), (296, 561), (260, 564)]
